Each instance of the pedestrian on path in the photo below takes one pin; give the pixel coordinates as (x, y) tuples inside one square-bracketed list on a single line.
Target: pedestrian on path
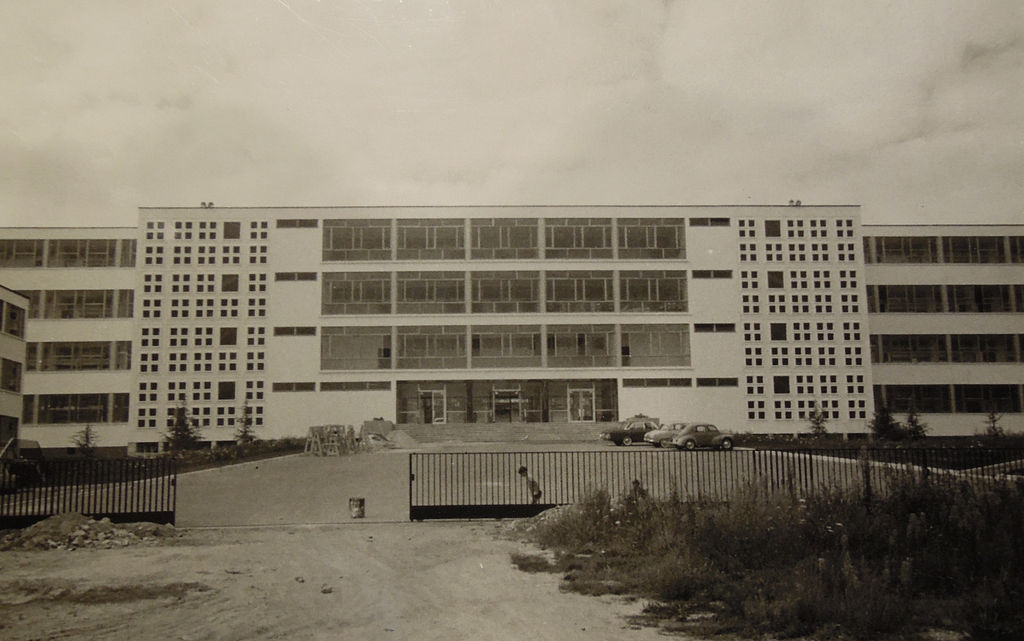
[(531, 484)]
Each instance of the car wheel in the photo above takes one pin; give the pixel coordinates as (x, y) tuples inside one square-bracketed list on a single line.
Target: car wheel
[(627, 441), (690, 444), (657, 443), (726, 444)]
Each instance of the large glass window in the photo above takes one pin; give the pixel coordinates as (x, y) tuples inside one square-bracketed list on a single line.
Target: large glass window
[(923, 398), (905, 249), (92, 252), (21, 253), (356, 293), (431, 238), (1017, 249), (13, 319), (655, 345), (431, 347), (979, 298), (431, 292), (578, 237), (652, 237), (76, 408), (357, 240), (10, 375), (905, 298), (505, 292), (355, 348), (987, 398), (80, 355), (581, 345), (909, 348), (983, 348), (81, 303), (506, 346), (500, 238), (653, 291), (580, 291), (973, 249)]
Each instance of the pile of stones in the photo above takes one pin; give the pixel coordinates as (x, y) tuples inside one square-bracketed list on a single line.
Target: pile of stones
[(70, 531)]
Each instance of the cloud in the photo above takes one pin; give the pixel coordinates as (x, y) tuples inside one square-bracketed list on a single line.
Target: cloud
[(913, 109)]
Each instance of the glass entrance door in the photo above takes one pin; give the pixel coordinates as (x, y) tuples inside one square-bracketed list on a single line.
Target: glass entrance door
[(507, 405), (432, 404), (581, 404)]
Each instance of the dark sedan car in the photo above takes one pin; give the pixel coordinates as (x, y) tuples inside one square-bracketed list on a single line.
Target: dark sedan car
[(631, 430)]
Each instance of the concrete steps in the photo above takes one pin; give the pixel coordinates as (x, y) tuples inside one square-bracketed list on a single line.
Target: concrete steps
[(504, 432)]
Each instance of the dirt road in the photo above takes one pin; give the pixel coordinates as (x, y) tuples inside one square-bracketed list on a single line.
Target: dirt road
[(369, 581)]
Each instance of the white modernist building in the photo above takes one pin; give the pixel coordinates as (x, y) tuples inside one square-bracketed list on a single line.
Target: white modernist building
[(749, 316)]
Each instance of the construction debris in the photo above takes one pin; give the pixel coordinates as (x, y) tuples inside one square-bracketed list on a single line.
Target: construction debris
[(71, 530)]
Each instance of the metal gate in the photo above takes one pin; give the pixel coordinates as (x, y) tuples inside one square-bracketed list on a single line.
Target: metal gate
[(122, 490), (489, 485)]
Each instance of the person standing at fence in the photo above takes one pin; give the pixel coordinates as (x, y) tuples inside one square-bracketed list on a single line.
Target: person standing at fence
[(531, 484)]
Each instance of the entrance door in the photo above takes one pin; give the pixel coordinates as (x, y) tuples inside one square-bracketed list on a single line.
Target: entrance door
[(581, 405), (432, 403), (507, 405)]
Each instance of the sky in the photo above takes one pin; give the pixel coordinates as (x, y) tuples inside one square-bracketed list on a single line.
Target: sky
[(913, 109)]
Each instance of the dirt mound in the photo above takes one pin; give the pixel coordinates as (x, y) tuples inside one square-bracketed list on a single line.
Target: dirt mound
[(402, 439), (72, 530)]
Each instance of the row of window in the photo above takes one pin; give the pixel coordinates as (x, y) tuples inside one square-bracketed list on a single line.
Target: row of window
[(12, 319), (944, 249), (75, 408), (453, 347), (943, 348), (945, 298), (506, 238), (502, 292), (91, 252), (944, 399), (78, 355), (80, 303)]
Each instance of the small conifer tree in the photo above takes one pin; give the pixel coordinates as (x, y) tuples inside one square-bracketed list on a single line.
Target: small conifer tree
[(992, 426), (914, 427), (184, 433), (85, 441), (819, 421), (884, 425), (245, 434)]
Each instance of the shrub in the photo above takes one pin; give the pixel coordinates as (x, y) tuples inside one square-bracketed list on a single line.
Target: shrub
[(923, 554)]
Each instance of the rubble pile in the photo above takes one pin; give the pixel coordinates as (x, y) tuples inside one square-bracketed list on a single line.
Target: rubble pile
[(72, 530)]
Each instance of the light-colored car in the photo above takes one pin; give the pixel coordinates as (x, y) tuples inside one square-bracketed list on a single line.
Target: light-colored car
[(702, 435), (664, 433)]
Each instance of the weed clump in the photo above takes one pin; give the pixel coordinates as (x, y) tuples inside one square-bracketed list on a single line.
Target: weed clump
[(921, 556)]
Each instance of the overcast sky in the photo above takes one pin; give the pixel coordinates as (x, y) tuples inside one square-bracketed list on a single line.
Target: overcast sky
[(912, 108)]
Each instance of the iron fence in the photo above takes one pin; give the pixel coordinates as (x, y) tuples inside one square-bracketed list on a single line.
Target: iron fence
[(490, 485), (120, 489)]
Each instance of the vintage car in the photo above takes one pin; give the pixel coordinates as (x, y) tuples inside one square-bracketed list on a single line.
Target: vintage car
[(665, 432), (701, 435), (631, 430)]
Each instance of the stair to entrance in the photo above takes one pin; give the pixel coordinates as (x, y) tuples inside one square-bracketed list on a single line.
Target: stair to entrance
[(504, 432)]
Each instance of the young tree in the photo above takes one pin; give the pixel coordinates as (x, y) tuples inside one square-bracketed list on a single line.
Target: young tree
[(85, 440), (184, 433), (992, 426), (914, 428), (883, 425), (245, 434), (819, 421)]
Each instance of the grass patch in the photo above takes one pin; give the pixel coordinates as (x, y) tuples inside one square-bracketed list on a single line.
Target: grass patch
[(831, 566)]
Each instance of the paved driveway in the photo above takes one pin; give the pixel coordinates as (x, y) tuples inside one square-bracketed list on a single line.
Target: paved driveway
[(296, 490)]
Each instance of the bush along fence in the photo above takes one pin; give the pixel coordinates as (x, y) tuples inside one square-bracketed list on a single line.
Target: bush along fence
[(122, 490), (494, 485)]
